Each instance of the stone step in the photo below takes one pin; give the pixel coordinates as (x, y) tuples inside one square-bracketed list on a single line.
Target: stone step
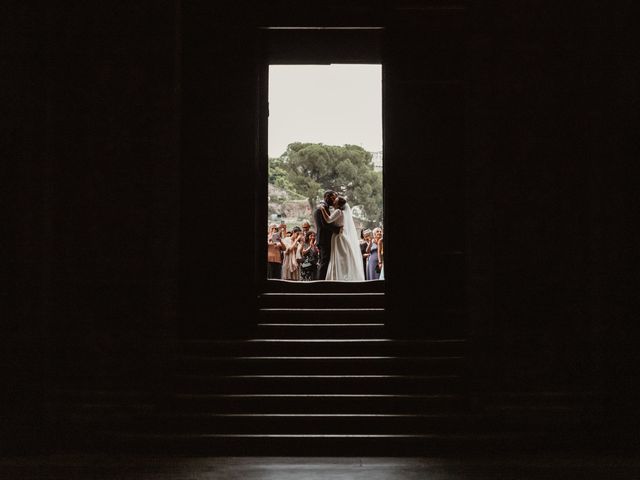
[(386, 445), (316, 422), (322, 346), (319, 315), (317, 403), (332, 365), (306, 423), (319, 300), (316, 330), (322, 287), (364, 384)]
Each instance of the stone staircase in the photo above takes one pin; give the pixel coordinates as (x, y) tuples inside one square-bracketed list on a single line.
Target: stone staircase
[(308, 380)]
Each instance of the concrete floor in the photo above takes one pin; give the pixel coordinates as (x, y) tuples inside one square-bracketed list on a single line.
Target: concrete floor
[(98, 467)]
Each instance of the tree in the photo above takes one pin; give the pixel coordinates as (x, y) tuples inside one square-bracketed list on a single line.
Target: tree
[(278, 174), (312, 168)]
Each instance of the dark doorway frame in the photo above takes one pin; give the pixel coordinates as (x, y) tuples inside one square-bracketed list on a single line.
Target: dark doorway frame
[(305, 46)]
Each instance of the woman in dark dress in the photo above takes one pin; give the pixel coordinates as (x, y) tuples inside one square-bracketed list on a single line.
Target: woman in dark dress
[(373, 271), (364, 245), (310, 255)]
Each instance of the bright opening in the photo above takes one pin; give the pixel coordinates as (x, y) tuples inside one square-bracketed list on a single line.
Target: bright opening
[(325, 135)]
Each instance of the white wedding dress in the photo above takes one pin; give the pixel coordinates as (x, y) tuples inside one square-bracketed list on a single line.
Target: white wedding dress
[(345, 263)]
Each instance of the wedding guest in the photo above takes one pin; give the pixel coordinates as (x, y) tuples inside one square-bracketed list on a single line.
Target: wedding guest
[(381, 257), (275, 247), (306, 227), (373, 269), (310, 255), (290, 265), (365, 240)]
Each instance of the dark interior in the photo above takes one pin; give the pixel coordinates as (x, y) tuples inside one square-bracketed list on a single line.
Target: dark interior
[(134, 164)]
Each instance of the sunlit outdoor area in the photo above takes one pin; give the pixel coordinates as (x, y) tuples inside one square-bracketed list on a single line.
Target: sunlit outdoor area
[(325, 183)]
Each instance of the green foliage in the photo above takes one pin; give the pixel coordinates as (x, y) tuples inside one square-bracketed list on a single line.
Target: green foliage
[(278, 174), (312, 168)]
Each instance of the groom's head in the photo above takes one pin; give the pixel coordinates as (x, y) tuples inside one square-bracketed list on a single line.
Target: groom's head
[(329, 197)]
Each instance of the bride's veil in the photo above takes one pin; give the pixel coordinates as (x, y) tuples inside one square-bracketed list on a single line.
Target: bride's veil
[(350, 233)]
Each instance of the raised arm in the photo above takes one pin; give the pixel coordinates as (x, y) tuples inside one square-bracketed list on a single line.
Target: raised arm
[(337, 213), (325, 214), (293, 246), (323, 219)]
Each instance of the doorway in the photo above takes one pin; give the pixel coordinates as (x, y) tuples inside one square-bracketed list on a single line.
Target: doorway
[(320, 129), (324, 134)]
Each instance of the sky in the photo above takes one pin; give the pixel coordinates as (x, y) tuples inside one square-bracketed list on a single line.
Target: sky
[(331, 104)]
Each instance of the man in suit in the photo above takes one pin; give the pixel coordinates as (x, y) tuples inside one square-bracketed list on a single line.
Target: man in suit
[(324, 232)]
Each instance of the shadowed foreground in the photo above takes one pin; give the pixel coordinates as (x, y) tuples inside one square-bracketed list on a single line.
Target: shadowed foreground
[(253, 468)]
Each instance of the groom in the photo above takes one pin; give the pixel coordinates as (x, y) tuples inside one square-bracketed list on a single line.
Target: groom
[(324, 232)]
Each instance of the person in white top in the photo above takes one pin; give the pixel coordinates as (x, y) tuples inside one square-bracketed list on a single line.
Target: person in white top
[(345, 263), (290, 264)]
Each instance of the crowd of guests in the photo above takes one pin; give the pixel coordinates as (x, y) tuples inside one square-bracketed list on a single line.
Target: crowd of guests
[(294, 255)]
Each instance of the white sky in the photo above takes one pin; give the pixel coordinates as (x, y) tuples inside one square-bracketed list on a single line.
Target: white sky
[(331, 104)]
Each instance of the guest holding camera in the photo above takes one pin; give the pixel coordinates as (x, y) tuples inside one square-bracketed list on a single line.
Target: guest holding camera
[(275, 247), (290, 265)]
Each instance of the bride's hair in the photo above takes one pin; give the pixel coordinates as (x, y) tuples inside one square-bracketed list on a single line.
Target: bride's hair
[(340, 202)]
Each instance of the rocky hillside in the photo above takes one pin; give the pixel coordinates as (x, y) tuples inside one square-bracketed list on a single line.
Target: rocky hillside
[(287, 206)]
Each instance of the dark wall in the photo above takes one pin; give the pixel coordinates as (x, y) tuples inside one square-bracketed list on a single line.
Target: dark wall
[(529, 137), (23, 252), (113, 153), (425, 64), (549, 110), (92, 193), (219, 146), (131, 185)]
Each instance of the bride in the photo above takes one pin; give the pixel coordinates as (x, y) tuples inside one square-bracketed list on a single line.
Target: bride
[(346, 259)]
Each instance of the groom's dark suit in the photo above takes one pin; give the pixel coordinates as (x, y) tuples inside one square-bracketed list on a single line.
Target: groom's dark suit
[(324, 232)]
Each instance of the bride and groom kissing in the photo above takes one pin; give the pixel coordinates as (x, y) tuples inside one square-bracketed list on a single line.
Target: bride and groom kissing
[(337, 240)]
